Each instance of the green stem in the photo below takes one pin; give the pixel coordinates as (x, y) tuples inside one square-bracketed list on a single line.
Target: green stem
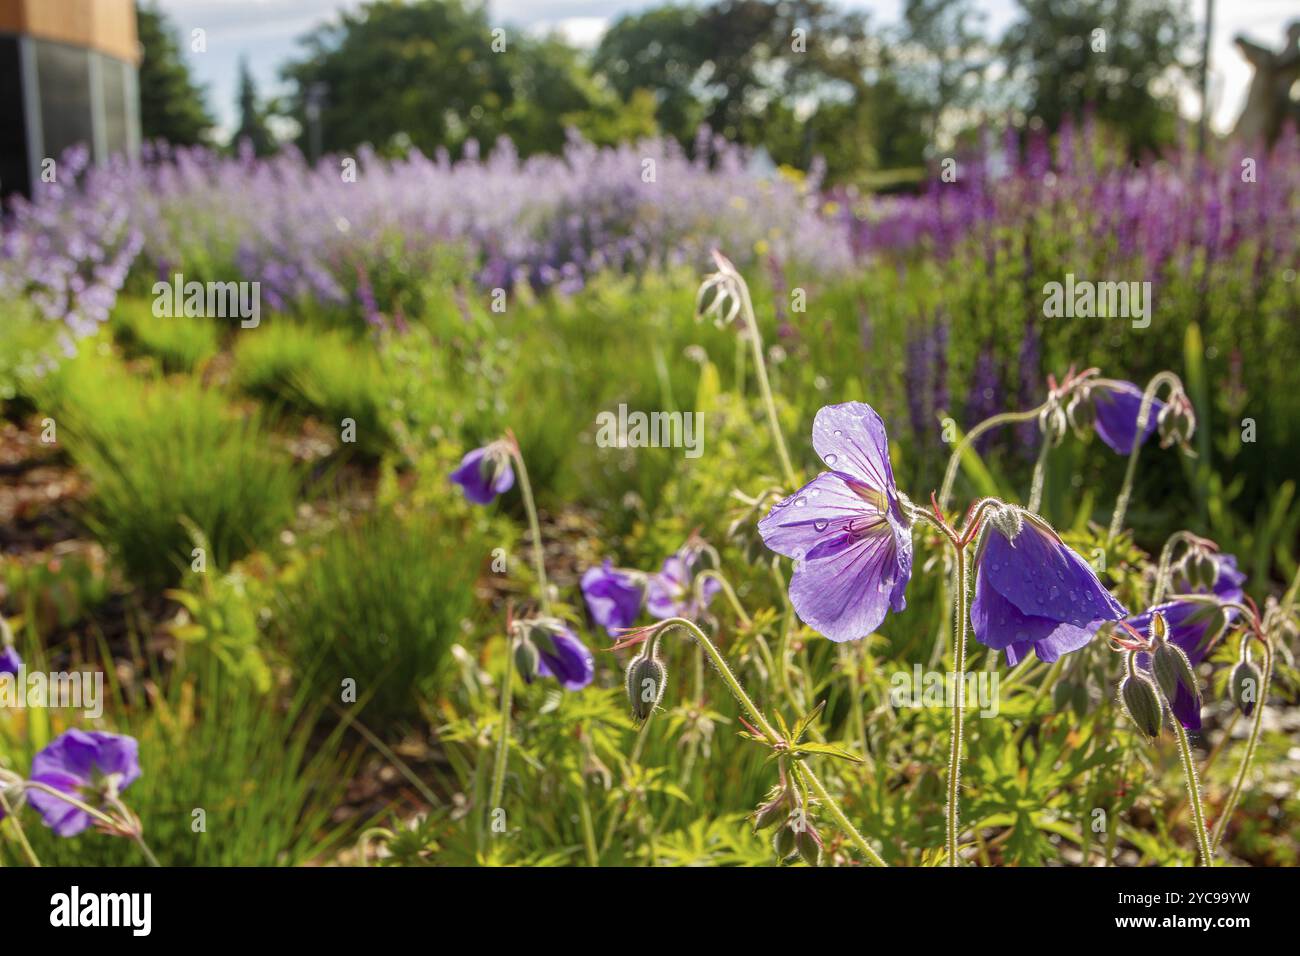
[(503, 741), (18, 829), (1040, 468), (534, 527), (838, 816), (588, 830), (958, 708), (1246, 758), (730, 593), (1139, 437), (1193, 793), (760, 367), (1005, 418), (766, 729)]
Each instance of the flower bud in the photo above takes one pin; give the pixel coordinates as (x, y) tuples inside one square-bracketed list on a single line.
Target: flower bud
[(1177, 421), (1172, 669), (772, 812), (646, 677), (1142, 704), (783, 843), (526, 659), (808, 843), (1244, 685)]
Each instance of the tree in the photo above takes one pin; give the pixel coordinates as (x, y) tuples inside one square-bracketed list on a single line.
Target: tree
[(436, 73), (252, 117), (946, 54), (1120, 59), (171, 103)]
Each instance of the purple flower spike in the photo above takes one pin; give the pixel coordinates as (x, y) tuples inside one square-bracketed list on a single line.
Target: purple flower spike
[(613, 596), (672, 592), (485, 473), (1034, 593), (562, 656), (1117, 409), (86, 765), (10, 662), (845, 529), (1188, 625)]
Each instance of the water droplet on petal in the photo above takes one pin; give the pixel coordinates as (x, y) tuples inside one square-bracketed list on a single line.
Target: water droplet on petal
[(801, 501), (830, 460), (821, 524)]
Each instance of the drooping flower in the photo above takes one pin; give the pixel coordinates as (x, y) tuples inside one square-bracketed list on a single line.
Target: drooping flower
[(845, 529), (674, 590), (1193, 626), (1032, 592), (89, 765), (10, 662), (485, 473), (613, 596), (1118, 406), (562, 656)]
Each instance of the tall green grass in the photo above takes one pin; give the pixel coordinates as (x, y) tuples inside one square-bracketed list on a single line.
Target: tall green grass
[(157, 452), (266, 786), (379, 602)]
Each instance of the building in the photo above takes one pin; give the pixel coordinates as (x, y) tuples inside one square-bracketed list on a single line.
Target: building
[(67, 76)]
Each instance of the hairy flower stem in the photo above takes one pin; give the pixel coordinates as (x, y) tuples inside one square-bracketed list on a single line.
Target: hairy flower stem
[(958, 706), (1193, 793), (760, 368), (503, 741), (959, 542), (1248, 756), (954, 461), (18, 830), (766, 729), (1163, 575), (1143, 419), (1040, 469), (534, 526)]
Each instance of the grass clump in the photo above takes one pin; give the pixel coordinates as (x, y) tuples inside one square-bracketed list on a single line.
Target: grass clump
[(380, 601), (158, 453)]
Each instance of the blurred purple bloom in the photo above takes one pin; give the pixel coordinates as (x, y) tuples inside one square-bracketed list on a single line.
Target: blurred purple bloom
[(672, 592), (1117, 415), (1032, 592), (485, 473), (613, 597), (845, 529), (10, 662), (87, 765), (562, 656)]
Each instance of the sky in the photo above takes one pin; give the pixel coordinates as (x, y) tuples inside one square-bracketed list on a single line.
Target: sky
[(266, 32)]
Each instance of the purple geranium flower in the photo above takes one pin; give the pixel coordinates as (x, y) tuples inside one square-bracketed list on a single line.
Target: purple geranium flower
[(1189, 627), (613, 596), (485, 473), (10, 662), (89, 765), (673, 592), (845, 529), (1118, 405), (1034, 593), (562, 656)]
